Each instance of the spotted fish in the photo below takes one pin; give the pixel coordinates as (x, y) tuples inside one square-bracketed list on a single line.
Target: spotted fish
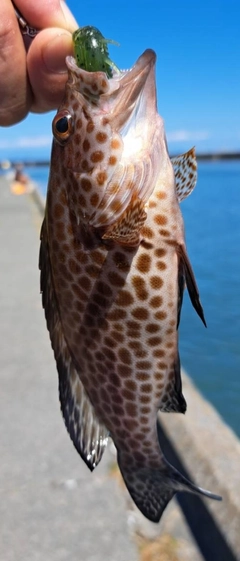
[(113, 269)]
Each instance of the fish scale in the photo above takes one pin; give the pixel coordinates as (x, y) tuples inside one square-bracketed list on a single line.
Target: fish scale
[(113, 268)]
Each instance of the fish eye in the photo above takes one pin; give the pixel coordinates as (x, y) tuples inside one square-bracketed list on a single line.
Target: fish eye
[(62, 126)]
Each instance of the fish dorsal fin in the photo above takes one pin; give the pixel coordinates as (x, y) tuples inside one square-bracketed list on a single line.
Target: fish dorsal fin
[(185, 170), (126, 231), (190, 281), (89, 436)]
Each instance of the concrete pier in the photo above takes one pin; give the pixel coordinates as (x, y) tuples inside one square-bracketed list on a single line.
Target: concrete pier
[(51, 506)]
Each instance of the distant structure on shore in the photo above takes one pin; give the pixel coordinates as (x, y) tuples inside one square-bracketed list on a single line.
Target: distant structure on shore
[(219, 156), (213, 156)]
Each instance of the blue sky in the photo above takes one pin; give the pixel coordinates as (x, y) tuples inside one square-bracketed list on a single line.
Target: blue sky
[(198, 70)]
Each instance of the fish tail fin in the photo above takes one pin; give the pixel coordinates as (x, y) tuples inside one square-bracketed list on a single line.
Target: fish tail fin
[(152, 488)]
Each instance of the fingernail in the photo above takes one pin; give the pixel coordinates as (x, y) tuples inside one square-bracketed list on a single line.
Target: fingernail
[(55, 52), (70, 20)]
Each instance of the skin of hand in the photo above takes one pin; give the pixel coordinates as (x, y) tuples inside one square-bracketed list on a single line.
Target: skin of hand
[(34, 80)]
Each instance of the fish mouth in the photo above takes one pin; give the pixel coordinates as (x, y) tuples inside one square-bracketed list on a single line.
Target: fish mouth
[(139, 70), (115, 96), (146, 60)]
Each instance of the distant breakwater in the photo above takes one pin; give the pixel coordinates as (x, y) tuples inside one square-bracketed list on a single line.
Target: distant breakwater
[(213, 156)]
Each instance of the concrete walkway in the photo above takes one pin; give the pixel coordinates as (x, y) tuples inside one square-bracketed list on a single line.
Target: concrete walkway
[(51, 507)]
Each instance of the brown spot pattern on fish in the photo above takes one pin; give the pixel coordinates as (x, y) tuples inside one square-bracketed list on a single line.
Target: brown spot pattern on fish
[(113, 262)]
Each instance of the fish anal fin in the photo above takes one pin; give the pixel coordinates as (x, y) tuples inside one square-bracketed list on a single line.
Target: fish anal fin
[(185, 170), (173, 400), (127, 230), (190, 282), (89, 436), (181, 286)]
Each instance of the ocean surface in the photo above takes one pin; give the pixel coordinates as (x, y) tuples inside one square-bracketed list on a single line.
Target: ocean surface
[(212, 221)]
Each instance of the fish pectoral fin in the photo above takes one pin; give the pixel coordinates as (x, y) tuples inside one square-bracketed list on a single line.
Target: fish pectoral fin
[(127, 230), (190, 282), (185, 170), (89, 436)]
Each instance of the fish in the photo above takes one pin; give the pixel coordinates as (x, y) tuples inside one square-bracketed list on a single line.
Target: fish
[(114, 266)]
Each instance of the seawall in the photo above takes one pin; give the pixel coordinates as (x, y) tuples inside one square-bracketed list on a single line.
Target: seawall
[(210, 451)]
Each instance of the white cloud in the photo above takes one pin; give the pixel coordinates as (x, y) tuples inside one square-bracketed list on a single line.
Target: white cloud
[(27, 142), (186, 135)]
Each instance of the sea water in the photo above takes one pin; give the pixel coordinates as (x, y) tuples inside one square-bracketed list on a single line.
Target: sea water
[(212, 221)]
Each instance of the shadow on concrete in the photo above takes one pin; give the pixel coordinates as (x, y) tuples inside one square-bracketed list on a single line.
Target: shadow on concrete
[(205, 530)]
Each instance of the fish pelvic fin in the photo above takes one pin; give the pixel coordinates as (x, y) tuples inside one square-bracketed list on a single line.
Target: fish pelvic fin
[(126, 231), (186, 270), (88, 435), (152, 488), (185, 170)]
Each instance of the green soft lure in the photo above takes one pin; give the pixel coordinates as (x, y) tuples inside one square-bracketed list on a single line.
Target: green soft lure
[(91, 52)]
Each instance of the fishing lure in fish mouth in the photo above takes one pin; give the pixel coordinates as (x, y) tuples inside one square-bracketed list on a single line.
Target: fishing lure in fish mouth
[(91, 52)]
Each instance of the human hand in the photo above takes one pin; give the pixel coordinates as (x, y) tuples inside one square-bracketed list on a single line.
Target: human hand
[(34, 80)]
